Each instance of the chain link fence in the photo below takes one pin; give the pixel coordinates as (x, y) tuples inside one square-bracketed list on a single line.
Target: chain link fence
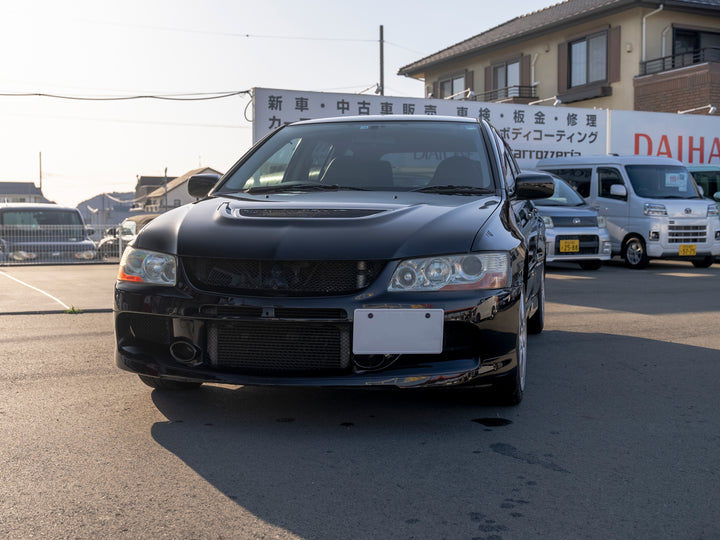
[(63, 244)]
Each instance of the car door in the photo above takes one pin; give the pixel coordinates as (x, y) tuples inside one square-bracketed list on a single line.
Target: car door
[(615, 208)]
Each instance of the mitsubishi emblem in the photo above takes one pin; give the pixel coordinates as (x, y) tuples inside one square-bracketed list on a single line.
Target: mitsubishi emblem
[(688, 211)]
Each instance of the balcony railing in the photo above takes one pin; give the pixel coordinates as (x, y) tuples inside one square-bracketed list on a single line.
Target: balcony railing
[(509, 92), (667, 63)]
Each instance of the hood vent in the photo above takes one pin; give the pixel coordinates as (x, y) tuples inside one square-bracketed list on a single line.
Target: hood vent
[(332, 213)]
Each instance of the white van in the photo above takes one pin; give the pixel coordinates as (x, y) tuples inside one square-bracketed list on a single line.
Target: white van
[(652, 206)]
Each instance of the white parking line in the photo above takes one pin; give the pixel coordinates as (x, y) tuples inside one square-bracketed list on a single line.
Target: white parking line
[(36, 289)]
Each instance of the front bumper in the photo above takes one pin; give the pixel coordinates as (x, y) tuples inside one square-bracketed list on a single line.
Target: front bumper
[(187, 335), (593, 244)]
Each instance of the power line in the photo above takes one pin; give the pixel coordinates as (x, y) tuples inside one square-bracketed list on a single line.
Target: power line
[(197, 96), (231, 34)]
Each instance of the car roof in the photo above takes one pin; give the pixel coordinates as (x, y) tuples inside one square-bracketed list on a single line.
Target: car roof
[(35, 206), (390, 118), (588, 161)]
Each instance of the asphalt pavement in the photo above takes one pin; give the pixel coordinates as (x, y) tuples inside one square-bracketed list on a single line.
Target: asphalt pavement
[(56, 289)]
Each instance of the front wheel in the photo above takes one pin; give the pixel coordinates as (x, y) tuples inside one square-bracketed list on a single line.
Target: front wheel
[(705, 262), (536, 323), (164, 384), (509, 390), (635, 254)]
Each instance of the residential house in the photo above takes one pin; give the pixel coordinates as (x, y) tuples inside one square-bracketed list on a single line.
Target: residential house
[(21, 192), (609, 54), (174, 194)]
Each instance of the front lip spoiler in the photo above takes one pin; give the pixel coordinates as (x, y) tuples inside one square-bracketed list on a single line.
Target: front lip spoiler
[(447, 373)]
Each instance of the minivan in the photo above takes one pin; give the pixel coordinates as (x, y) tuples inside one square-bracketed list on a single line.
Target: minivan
[(43, 233), (652, 206)]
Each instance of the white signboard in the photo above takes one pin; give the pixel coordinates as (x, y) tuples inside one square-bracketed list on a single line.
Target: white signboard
[(534, 132), (690, 138)]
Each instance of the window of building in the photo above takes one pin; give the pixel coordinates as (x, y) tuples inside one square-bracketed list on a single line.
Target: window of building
[(588, 60), (453, 86), (506, 79), (587, 65), (695, 46)]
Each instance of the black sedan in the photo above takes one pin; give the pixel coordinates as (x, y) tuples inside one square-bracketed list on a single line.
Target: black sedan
[(365, 251)]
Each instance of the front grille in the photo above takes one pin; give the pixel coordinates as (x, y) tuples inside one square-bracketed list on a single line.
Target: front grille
[(588, 244), (681, 234), (278, 348), (281, 278), (256, 312), (574, 221)]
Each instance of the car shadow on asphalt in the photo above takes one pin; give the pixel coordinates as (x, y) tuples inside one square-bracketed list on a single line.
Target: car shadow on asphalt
[(330, 463)]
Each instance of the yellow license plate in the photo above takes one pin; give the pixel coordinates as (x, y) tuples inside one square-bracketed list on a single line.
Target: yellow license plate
[(687, 250), (570, 246)]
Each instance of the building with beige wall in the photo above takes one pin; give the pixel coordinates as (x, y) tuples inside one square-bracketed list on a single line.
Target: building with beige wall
[(609, 54)]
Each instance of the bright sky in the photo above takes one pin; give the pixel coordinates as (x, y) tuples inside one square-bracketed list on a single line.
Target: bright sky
[(102, 48)]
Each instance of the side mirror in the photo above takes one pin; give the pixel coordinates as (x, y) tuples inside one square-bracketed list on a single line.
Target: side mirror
[(618, 190), (701, 190), (534, 185), (199, 185), (717, 196)]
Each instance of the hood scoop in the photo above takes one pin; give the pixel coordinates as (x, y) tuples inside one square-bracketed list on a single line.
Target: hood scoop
[(308, 213)]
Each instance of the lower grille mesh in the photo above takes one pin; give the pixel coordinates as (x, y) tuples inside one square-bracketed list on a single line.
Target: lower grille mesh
[(278, 348)]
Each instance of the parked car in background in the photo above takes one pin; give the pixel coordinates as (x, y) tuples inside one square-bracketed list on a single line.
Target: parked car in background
[(365, 251), (652, 206), (113, 243), (43, 233), (573, 231), (708, 178)]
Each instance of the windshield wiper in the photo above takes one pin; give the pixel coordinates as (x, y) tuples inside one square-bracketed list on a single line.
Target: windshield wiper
[(455, 190), (291, 186)]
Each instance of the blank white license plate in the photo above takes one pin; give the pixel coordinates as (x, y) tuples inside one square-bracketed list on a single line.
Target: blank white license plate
[(398, 331)]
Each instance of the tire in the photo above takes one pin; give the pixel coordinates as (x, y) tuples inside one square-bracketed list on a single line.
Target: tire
[(705, 262), (105, 253), (591, 265), (171, 386), (536, 323), (509, 390), (634, 253)]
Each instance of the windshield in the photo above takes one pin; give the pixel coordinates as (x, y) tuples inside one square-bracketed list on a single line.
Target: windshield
[(661, 182), (368, 156), (36, 218), (564, 195), (41, 224)]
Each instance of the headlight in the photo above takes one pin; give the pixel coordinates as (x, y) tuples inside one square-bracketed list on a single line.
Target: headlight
[(712, 210), (602, 224), (143, 266), (452, 272), (651, 209), (548, 222)]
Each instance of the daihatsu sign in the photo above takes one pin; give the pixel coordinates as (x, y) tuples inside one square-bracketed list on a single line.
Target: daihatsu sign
[(692, 139), (534, 132)]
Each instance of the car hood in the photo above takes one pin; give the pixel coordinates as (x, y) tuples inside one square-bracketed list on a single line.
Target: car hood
[(374, 225), (566, 211)]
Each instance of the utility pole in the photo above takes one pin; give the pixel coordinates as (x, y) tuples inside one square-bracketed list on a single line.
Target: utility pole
[(382, 63), (40, 156), (165, 209)]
